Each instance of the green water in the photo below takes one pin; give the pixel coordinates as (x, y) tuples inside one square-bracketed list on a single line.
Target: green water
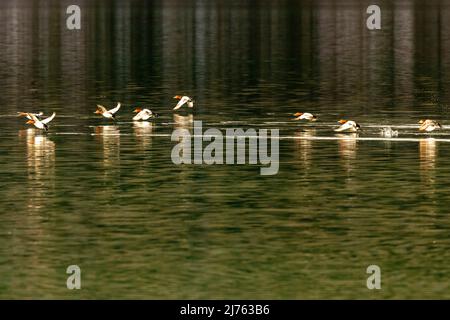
[(107, 197)]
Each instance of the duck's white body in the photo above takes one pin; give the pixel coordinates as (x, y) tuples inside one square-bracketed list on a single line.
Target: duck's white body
[(109, 114), (429, 125), (183, 100), (143, 114), (348, 126), (305, 116), (41, 124)]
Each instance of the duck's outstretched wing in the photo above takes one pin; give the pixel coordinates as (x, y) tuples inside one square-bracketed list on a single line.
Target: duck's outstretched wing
[(138, 116), (25, 114), (113, 111), (47, 120), (181, 103), (424, 125), (33, 117)]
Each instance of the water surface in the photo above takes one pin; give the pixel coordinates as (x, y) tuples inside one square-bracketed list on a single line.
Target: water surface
[(107, 197)]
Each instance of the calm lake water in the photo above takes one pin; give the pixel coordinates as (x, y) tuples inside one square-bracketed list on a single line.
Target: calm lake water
[(106, 196)]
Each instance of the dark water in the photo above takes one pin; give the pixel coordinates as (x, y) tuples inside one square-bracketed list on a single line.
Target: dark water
[(107, 197)]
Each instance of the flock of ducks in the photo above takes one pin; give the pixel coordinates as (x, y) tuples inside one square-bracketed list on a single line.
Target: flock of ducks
[(141, 114), (426, 125), (35, 119)]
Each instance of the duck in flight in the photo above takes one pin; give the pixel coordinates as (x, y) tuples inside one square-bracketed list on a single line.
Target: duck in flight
[(110, 114), (182, 100), (348, 126), (38, 123), (429, 125), (143, 114), (305, 116)]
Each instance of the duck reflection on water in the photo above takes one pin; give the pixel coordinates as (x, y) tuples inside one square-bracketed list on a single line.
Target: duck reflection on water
[(304, 146), (143, 131), (40, 166), (183, 122), (347, 149), (427, 152), (109, 137)]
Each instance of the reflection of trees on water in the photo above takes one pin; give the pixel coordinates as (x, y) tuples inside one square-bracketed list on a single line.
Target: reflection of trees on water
[(259, 46), (403, 50)]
